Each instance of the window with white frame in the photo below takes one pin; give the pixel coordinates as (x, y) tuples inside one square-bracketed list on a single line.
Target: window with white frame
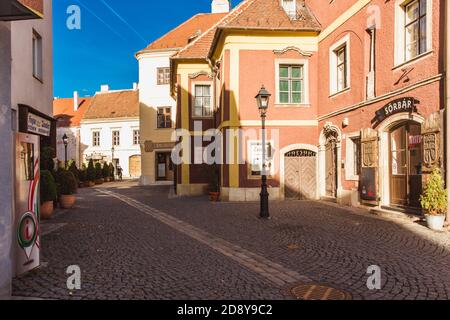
[(291, 84), (136, 137), (255, 158), (413, 29), (37, 56), (353, 156), (202, 101), (340, 66), (116, 138), (163, 75), (96, 138)]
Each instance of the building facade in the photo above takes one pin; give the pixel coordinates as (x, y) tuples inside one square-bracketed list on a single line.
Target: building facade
[(68, 113), (157, 107), (25, 100), (110, 130), (356, 112)]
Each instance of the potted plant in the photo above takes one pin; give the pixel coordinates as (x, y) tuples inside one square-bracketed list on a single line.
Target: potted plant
[(73, 168), (434, 201), (98, 173), (105, 173), (111, 171), (90, 173), (83, 177), (214, 188), (48, 194), (67, 189)]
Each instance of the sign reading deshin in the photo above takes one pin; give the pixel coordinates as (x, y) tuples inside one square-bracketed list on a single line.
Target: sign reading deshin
[(38, 125), (407, 104)]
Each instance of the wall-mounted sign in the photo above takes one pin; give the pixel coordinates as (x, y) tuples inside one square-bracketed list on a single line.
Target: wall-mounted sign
[(407, 104), (150, 146), (300, 153), (38, 125)]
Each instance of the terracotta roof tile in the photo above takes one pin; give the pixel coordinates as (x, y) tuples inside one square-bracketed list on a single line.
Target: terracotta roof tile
[(180, 36), (64, 113), (115, 104), (35, 5)]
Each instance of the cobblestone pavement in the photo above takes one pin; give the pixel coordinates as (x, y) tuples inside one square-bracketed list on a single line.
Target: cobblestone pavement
[(142, 243)]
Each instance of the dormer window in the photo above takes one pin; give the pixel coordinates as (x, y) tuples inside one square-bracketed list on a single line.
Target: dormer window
[(290, 7)]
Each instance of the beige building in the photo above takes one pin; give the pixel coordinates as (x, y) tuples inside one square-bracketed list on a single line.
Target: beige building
[(157, 107)]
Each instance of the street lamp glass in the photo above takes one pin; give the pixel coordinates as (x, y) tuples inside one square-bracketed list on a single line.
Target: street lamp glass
[(65, 139), (262, 99)]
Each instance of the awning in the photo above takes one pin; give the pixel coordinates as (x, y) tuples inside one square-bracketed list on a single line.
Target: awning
[(11, 10)]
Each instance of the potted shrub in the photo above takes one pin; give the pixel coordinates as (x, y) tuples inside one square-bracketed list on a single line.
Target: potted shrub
[(105, 172), (434, 201), (111, 171), (90, 173), (67, 189), (214, 188), (48, 194), (83, 177), (98, 173), (73, 168)]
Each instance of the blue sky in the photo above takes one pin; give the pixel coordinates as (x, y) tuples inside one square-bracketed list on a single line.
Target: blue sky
[(102, 52)]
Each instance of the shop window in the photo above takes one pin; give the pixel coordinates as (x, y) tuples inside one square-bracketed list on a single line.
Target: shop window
[(255, 158), (27, 156)]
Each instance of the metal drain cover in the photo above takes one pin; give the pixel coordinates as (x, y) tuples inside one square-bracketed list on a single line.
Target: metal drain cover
[(319, 292)]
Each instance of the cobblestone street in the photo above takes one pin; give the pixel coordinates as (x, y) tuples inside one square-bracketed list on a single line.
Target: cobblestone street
[(142, 243)]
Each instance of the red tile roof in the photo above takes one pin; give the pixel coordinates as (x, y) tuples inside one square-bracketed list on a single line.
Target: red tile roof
[(180, 36), (35, 5), (251, 15), (115, 104), (64, 113)]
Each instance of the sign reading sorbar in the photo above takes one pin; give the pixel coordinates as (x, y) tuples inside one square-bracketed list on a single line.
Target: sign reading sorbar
[(407, 104), (150, 146)]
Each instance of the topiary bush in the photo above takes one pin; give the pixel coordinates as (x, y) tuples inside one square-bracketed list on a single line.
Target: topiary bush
[(105, 171), (67, 183), (82, 175), (73, 168), (46, 159), (98, 171), (434, 196), (47, 187), (90, 171), (111, 171)]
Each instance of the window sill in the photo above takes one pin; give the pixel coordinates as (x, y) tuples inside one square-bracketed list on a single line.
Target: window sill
[(164, 128), (202, 118), (339, 92), (413, 60), (292, 105), (352, 178)]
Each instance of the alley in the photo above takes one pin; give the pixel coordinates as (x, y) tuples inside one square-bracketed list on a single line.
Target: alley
[(134, 242)]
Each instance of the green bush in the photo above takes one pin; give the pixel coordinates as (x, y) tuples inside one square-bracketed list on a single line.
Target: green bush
[(98, 171), (82, 175), (47, 187), (111, 171), (73, 168), (90, 171), (67, 183), (105, 171), (214, 178), (434, 196), (46, 161)]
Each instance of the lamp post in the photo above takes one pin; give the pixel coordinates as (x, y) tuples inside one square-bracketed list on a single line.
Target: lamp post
[(262, 99), (112, 160), (65, 140)]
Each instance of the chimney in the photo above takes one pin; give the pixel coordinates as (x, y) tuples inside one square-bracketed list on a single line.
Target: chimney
[(220, 6), (104, 88), (75, 101)]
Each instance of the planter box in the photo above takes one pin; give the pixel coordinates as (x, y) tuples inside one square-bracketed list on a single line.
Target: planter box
[(435, 223), (67, 201), (46, 210)]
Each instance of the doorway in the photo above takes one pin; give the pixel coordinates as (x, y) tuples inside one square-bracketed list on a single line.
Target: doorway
[(331, 180), (300, 175), (164, 166), (405, 159)]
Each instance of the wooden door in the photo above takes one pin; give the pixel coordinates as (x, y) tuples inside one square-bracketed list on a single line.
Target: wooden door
[(292, 177), (300, 175), (135, 166), (308, 179), (331, 169)]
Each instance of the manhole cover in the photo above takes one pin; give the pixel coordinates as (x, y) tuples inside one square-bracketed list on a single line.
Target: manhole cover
[(294, 246), (319, 292)]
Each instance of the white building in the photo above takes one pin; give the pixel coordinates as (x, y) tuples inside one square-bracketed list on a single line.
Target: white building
[(109, 130), (26, 86)]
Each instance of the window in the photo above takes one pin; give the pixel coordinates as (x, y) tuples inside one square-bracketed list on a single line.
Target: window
[(291, 84), (136, 137), (116, 138), (37, 56), (202, 101), (255, 157), (164, 118), (340, 65), (163, 76), (96, 138), (415, 29), (353, 156), (356, 156), (341, 69), (290, 7)]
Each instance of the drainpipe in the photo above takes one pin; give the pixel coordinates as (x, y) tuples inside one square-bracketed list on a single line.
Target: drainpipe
[(447, 95)]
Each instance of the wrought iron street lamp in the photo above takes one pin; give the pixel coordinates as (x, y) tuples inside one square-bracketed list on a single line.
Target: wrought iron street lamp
[(262, 99), (112, 159), (65, 140)]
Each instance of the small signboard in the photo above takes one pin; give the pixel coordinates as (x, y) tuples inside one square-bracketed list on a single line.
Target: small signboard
[(38, 125)]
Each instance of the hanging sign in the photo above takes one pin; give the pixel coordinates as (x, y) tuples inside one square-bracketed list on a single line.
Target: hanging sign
[(38, 125), (407, 104)]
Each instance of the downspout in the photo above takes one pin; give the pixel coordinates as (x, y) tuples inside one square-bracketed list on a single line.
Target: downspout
[(447, 95)]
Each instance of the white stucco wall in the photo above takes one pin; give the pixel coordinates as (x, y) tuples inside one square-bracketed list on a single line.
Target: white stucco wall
[(106, 127), (73, 151), (152, 96), (25, 88), (6, 163)]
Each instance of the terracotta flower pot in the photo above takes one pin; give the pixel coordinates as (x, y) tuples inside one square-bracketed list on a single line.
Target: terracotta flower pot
[(91, 183), (67, 201), (214, 196), (46, 210), (107, 179)]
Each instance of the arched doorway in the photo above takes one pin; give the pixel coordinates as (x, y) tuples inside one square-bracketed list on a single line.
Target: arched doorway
[(405, 163), (300, 174), (135, 166)]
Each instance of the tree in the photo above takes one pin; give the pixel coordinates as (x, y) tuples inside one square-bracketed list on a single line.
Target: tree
[(90, 172), (98, 170), (434, 196)]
